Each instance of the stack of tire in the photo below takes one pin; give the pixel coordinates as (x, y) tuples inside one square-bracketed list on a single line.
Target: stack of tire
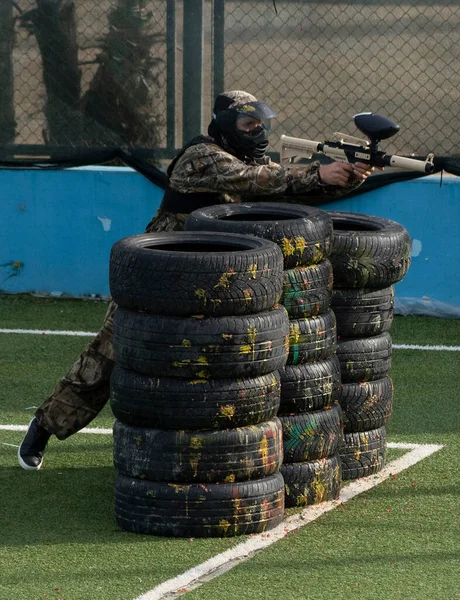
[(310, 382), (198, 342), (369, 255)]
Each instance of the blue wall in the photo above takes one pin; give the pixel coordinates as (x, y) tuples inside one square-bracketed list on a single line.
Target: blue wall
[(57, 228)]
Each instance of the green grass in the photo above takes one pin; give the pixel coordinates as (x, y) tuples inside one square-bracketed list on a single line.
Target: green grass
[(58, 534)]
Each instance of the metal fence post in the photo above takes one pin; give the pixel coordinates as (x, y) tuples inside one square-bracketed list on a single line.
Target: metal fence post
[(7, 122), (171, 74), (192, 106), (218, 48)]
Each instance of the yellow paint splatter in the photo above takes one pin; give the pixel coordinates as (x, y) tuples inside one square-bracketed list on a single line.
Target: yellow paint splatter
[(252, 333), (318, 253), (224, 280), (287, 247), (294, 333), (223, 526), (17, 265), (194, 464), (263, 450), (227, 411), (300, 244), (179, 488), (203, 374), (227, 336), (201, 293), (215, 303), (186, 343), (196, 443), (181, 363), (245, 349), (319, 488), (246, 108), (229, 479), (197, 381), (253, 270), (202, 360)]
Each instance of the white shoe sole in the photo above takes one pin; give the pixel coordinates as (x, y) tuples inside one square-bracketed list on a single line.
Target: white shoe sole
[(20, 460)]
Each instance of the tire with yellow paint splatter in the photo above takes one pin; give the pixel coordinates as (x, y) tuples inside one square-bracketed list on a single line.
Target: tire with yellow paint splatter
[(302, 232), (312, 482), (363, 453), (217, 456), (366, 405), (312, 339), (312, 435), (363, 312), (173, 403), (198, 509), (311, 386), (204, 348), (364, 359), (196, 273), (368, 251), (307, 290)]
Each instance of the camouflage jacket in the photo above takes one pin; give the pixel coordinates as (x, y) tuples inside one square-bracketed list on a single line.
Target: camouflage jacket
[(206, 167)]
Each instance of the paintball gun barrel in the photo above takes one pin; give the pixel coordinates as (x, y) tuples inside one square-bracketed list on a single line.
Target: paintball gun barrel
[(346, 148)]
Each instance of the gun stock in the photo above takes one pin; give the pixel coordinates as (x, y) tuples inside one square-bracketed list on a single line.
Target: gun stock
[(297, 148)]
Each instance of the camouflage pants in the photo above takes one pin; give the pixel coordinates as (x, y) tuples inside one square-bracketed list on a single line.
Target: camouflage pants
[(84, 391)]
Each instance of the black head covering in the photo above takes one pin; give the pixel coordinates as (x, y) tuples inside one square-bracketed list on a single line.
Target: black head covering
[(227, 108)]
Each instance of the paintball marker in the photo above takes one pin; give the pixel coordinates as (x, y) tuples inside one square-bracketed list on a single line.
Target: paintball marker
[(346, 148)]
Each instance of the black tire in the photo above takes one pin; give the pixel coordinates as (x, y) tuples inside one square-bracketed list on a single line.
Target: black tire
[(307, 290), (198, 510), (364, 359), (311, 386), (216, 456), (363, 312), (312, 482), (312, 339), (302, 232), (368, 251), (366, 405), (363, 453), (312, 435), (196, 273), (201, 349), (171, 403)]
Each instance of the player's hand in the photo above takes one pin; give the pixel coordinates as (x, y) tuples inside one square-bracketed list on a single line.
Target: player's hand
[(344, 174), (362, 171)]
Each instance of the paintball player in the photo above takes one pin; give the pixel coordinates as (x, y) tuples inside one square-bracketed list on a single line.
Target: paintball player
[(228, 165)]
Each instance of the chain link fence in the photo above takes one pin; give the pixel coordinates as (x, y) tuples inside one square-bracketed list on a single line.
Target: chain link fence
[(85, 74), (320, 63)]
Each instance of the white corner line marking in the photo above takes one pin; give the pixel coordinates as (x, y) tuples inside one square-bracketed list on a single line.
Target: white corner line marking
[(221, 563)]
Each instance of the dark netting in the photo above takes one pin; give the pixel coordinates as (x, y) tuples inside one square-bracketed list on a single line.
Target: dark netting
[(108, 82)]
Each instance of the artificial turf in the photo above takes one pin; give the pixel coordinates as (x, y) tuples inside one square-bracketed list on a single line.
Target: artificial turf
[(57, 527)]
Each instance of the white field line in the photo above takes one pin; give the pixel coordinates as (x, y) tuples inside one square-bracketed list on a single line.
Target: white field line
[(49, 332), (96, 430), (221, 563), (418, 347), (92, 334)]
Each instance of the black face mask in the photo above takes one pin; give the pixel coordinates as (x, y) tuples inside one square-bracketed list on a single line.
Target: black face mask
[(244, 143)]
